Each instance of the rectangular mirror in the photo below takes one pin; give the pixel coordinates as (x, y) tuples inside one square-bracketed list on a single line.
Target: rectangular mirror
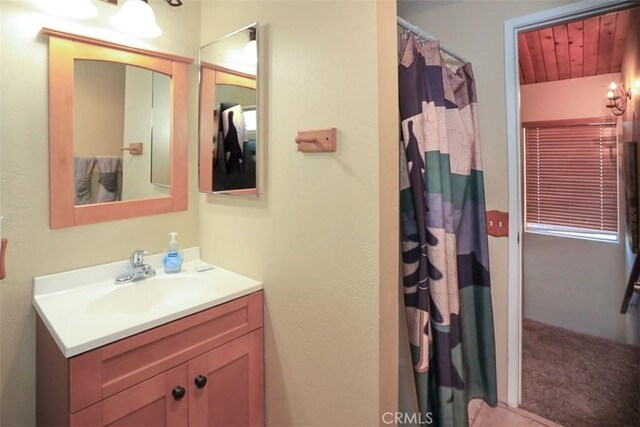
[(117, 131), (114, 105), (229, 111)]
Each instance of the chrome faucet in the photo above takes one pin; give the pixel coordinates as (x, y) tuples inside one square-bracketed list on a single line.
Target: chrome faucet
[(138, 270)]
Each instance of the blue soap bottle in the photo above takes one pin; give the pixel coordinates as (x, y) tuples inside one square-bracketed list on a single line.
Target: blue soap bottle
[(172, 259)]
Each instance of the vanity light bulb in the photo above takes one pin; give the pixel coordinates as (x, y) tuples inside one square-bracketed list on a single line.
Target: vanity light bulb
[(610, 94), (74, 9), (136, 18), (251, 52), (613, 86)]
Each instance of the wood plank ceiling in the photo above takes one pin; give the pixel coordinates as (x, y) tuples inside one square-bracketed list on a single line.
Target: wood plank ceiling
[(575, 49)]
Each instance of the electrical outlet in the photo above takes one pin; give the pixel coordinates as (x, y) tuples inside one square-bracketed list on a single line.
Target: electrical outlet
[(498, 223)]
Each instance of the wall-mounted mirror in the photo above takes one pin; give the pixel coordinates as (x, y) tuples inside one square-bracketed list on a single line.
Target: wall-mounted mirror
[(229, 110), (115, 105), (117, 131)]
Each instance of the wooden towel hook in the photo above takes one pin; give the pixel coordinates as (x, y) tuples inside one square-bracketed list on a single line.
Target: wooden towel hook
[(316, 141), (300, 139), (135, 148), (3, 251)]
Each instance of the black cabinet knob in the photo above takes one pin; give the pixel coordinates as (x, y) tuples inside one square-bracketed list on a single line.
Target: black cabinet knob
[(200, 381), (178, 392)]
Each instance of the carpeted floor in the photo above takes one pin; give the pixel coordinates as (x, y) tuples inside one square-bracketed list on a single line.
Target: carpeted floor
[(579, 380)]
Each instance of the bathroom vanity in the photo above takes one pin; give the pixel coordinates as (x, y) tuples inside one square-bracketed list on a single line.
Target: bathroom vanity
[(193, 356)]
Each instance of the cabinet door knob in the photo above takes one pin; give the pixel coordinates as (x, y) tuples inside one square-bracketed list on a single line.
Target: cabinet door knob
[(178, 392), (200, 381)]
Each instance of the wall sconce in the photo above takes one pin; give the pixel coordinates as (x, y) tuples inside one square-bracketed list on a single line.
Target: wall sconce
[(137, 18), (618, 98), (251, 48)]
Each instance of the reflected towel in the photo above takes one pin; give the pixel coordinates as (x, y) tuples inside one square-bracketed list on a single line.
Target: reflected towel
[(110, 170), (234, 132), (82, 169)]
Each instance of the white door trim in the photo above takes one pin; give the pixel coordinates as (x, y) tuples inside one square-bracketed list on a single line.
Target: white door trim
[(512, 28)]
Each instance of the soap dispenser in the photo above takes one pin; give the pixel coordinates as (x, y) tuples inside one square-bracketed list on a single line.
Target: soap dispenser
[(172, 259)]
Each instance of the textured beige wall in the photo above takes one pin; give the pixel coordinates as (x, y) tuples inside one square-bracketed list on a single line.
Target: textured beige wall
[(34, 249), (475, 29), (98, 126), (313, 235)]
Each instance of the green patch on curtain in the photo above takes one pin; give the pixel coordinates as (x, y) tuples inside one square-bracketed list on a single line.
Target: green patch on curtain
[(478, 357), (406, 200), (457, 189)]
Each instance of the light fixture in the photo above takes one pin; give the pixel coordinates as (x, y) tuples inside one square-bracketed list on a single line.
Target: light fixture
[(618, 98), (75, 9), (251, 48), (137, 18)]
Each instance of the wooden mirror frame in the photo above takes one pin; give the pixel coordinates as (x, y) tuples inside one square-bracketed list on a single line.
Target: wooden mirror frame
[(210, 76), (64, 48)]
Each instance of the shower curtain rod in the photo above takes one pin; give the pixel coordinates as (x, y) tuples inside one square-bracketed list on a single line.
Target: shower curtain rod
[(418, 32)]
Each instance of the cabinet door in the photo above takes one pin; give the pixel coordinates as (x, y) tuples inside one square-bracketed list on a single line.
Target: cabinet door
[(150, 403), (227, 384)]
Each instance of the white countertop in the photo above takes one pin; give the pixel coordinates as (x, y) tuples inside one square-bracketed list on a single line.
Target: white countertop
[(84, 309)]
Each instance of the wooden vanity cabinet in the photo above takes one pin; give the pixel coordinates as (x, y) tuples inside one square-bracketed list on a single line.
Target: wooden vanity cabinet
[(202, 370)]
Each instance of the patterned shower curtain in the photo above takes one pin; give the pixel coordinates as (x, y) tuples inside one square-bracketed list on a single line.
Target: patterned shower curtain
[(447, 293)]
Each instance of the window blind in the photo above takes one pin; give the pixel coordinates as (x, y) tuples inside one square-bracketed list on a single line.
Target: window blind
[(571, 174)]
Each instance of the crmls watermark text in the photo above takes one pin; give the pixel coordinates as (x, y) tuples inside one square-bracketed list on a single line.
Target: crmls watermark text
[(401, 418)]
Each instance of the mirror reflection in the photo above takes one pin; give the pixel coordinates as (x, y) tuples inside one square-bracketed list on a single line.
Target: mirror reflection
[(234, 156), (229, 114), (121, 132)]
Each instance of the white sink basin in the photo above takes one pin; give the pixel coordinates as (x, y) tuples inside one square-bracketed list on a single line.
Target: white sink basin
[(84, 309), (155, 294)]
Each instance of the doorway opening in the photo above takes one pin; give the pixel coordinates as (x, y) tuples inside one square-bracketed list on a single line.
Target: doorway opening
[(570, 251)]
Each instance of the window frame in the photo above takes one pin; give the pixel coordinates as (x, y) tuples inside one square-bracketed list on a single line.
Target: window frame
[(577, 231)]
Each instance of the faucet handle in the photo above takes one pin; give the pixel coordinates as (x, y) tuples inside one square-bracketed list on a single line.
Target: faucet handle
[(137, 257)]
